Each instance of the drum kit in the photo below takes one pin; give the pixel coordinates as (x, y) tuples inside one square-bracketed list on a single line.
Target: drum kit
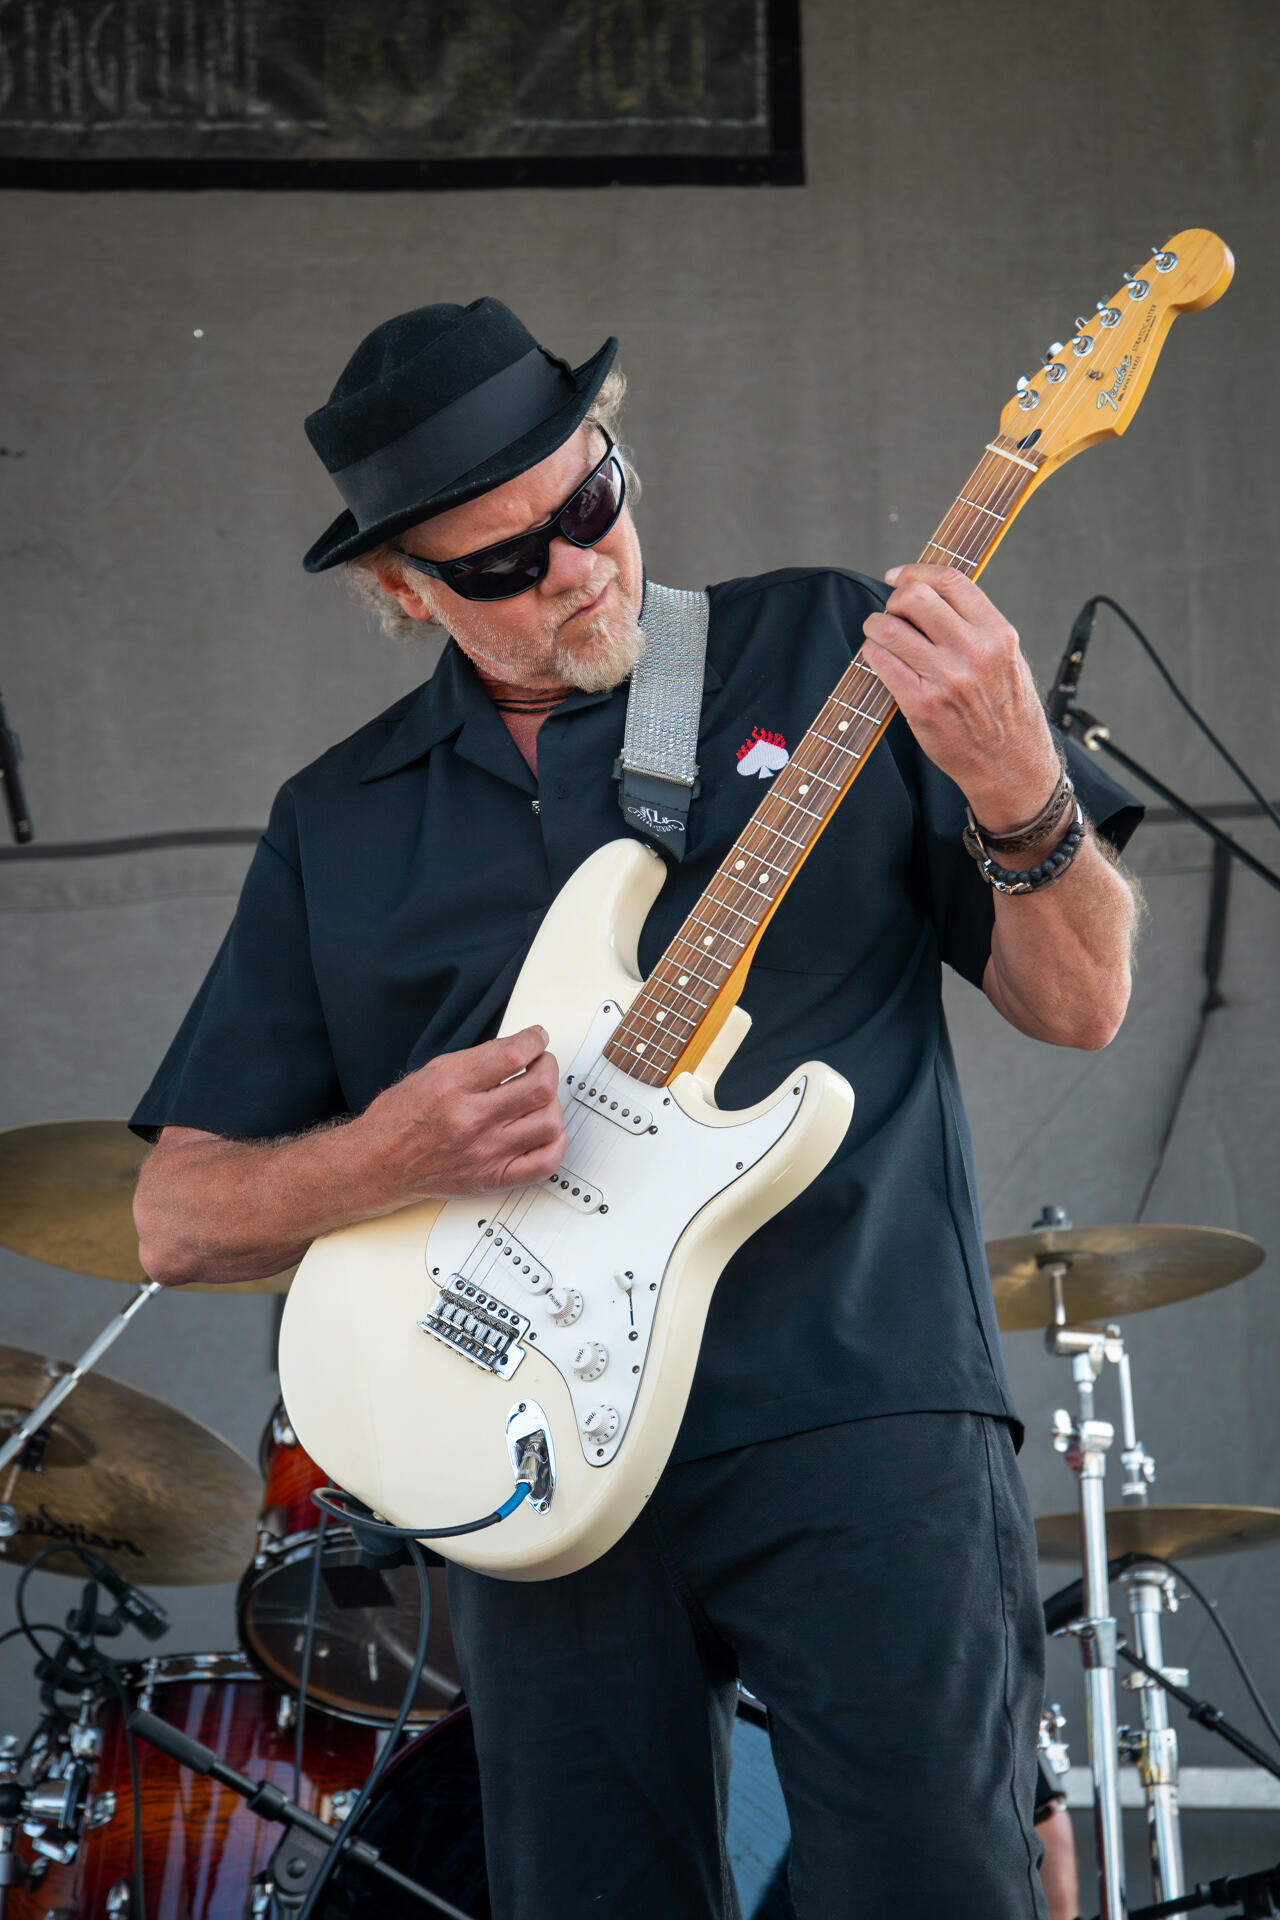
[(181, 1815)]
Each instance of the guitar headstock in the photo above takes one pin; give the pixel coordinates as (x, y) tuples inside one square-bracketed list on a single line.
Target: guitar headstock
[(1090, 385)]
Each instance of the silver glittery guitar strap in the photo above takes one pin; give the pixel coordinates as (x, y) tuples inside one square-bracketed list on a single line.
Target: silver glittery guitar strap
[(657, 769)]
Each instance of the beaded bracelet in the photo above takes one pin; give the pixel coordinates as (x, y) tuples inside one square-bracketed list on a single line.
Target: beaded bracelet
[(1044, 823), (1043, 874)]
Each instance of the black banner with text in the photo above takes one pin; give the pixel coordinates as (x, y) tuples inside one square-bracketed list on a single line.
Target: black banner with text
[(398, 92)]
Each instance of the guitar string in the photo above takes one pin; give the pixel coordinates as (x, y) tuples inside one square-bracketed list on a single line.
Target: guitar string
[(991, 471), (990, 477)]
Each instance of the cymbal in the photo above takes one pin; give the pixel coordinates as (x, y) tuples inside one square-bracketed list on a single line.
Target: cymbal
[(164, 1500), (1113, 1270), (66, 1197), (1175, 1533)]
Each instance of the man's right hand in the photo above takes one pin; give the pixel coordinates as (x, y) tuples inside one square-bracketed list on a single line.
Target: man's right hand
[(469, 1122), (212, 1209)]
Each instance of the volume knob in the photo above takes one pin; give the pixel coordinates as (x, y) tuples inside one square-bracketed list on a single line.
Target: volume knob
[(564, 1304), (590, 1361), (600, 1424)]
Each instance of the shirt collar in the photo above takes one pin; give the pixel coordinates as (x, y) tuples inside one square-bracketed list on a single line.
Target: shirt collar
[(452, 698)]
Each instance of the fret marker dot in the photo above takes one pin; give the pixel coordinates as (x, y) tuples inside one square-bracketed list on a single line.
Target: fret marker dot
[(659, 1016), (639, 1046), (738, 865), (763, 879), (708, 939), (803, 789), (683, 980), (841, 726)]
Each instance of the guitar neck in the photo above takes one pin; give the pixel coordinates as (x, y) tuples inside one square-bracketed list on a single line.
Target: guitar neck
[(690, 992)]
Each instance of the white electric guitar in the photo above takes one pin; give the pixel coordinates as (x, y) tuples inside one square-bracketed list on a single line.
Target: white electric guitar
[(426, 1356)]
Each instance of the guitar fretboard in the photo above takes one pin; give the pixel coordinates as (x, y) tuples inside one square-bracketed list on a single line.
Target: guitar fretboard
[(705, 964)]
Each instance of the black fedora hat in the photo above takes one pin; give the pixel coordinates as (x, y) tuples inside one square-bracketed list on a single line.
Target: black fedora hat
[(436, 407)]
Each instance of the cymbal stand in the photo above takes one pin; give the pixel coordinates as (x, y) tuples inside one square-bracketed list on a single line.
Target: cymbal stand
[(1150, 1591), (1084, 1442), (65, 1384)]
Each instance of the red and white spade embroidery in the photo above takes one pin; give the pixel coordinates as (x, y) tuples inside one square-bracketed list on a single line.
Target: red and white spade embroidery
[(763, 755)]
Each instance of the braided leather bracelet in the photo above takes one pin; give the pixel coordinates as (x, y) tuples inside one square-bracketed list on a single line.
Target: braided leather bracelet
[(1044, 823), (1043, 874)]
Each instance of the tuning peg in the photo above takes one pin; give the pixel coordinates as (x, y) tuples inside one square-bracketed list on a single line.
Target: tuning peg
[(1023, 383), (1127, 276), (1108, 316), (1055, 347), (1165, 261)]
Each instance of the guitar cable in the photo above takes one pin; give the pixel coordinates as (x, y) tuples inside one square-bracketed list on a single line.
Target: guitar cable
[(362, 1799), (353, 1513), (335, 1503), (308, 1643)]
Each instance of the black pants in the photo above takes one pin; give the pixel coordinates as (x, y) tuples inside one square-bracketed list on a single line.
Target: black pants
[(874, 1583)]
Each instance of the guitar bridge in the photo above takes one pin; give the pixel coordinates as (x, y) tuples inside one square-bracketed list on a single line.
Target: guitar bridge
[(477, 1326)]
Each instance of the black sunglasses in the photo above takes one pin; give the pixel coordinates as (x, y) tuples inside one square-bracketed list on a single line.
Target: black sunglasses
[(513, 566)]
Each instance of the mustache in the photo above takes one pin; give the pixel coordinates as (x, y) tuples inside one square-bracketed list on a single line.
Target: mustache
[(579, 597)]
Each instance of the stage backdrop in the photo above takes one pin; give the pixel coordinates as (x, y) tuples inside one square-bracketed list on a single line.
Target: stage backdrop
[(814, 371)]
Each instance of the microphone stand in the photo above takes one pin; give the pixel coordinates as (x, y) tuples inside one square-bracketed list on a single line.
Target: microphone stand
[(306, 1841), (1078, 724)]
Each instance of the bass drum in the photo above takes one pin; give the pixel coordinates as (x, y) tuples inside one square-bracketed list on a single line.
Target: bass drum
[(366, 1621), (201, 1846), (425, 1819)]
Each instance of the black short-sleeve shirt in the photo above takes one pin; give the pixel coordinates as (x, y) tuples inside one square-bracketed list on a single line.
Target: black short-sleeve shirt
[(401, 879)]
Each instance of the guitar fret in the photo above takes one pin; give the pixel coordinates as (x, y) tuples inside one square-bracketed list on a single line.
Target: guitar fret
[(950, 552), (979, 506), (874, 718), (777, 833), (738, 881), (721, 933)]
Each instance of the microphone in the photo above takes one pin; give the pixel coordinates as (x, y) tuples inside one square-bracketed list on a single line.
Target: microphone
[(139, 1609), (1061, 1608), (11, 782), (1063, 691)]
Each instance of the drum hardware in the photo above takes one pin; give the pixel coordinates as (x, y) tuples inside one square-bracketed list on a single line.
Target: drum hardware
[(1050, 1744), (1084, 1442), (1104, 1266), (25, 1428), (1150, 1592)]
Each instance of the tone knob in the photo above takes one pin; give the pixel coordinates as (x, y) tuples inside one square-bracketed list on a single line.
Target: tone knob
[(564, 1304), (590, 1361), (600, 1425)]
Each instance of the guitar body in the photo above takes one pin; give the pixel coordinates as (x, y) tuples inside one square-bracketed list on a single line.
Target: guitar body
[(417, 1426)]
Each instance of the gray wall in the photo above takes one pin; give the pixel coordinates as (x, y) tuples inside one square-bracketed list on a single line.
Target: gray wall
[(814, 372)]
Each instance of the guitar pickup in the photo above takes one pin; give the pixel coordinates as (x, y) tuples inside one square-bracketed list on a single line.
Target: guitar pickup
[(480, 1328), (624, 1112), (526, 1266), (582, 1195)]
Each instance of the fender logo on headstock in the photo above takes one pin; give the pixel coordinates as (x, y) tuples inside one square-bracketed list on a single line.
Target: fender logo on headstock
[(1111, 396)]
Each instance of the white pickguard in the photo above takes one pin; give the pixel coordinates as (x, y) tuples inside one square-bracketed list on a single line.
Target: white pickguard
[(641, 1190)]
